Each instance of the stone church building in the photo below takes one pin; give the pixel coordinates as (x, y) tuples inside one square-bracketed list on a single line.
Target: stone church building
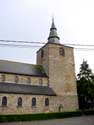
[(48, 86)]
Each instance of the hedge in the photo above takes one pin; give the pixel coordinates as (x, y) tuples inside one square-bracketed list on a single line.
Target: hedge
[(41, 116), (44, 116)]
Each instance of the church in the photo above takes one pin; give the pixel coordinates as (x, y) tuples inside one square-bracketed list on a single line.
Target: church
[(48, 86)]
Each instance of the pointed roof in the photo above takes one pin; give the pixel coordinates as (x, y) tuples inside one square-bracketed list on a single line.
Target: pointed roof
[(53, 36)]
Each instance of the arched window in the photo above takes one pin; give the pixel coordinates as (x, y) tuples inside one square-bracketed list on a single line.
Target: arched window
[(16, 79), (4, 101), (19, 104), (33, 102), (40, 81), (28, 80), (46, 102), (60, 108), (3, 78)]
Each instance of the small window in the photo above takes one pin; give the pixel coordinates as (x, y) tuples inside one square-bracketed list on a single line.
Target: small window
[(33, 102), (60, 108), (46, 102), (42, 53), (3, 78), (28, 80), (19, 103), (16, 79), (61, 52), (40, 81), (4, 101)]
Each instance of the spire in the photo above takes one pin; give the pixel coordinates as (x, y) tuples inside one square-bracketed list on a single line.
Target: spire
[(53, 37)]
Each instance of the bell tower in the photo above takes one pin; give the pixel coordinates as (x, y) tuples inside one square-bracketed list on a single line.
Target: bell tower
[(58, 62)]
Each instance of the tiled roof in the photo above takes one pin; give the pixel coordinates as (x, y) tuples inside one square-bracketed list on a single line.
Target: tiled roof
[(26, 89), (21, 68)]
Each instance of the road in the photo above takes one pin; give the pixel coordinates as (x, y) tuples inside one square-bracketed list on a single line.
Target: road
[(83, 120)]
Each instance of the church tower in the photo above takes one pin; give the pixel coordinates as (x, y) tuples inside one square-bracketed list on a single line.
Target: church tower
[(58, 62)]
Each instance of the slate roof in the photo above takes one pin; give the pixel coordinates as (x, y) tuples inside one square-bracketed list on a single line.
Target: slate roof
[(21, 68), (12, 88), (53, 36)]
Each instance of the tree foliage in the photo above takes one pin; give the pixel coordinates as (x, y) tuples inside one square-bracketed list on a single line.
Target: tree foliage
[(85, 86)]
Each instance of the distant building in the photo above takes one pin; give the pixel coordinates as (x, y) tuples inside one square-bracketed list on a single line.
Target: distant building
[(48, 86)]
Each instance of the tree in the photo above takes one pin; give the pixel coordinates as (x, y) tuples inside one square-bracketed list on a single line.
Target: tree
[(85, 86)]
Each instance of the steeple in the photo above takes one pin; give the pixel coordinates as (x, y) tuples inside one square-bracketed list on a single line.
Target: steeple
[(53, 36)]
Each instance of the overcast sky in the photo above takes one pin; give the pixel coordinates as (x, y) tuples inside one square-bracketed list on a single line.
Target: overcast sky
[(30, 20)]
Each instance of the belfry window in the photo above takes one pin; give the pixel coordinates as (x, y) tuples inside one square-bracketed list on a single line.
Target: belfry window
[(46, 102), (4, 101), (19, 103), (33, 102), (61, 52)]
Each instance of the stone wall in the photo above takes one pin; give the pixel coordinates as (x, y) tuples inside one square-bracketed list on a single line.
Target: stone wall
[(54, 104), (61, 72), (22, 79), (43, 59), (26, 108)]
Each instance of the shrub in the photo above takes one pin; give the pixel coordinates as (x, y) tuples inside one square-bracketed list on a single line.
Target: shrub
[(41, 116)]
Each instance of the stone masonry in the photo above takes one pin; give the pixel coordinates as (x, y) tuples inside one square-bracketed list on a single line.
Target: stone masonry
[(57, 61)]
